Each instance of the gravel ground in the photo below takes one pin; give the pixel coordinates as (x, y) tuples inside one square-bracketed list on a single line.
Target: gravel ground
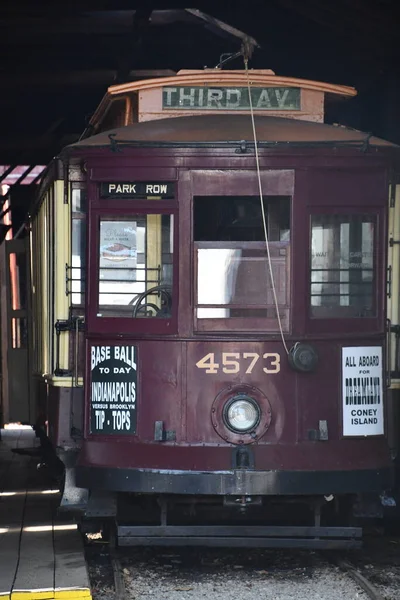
[(194, 574), (225, 574)]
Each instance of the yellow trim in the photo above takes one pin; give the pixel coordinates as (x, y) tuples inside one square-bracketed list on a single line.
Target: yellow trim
[(390, 265), (393, 306), (61, 594), (51, 251), (44, 290), (390, 254), (71, 594), (43, 260), (395, 314), (61, 258)]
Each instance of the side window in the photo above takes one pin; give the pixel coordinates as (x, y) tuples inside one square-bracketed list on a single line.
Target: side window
[(135, 266), (342, 266), (78, 246)]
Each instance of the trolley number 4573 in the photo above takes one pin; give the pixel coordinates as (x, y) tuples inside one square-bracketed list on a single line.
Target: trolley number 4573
[(234, 362)]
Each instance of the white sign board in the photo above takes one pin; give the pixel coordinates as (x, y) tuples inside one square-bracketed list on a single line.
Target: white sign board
[(362, 388)]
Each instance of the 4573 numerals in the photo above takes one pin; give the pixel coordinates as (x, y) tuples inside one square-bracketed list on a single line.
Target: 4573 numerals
[(235, 362)]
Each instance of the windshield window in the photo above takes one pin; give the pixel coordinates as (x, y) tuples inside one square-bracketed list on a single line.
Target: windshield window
[(135, 266), (233, 274)]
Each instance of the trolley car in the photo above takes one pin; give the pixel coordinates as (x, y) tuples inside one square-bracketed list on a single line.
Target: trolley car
[(209, 269)]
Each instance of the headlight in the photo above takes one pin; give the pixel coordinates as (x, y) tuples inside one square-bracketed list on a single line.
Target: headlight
[(241, 414)]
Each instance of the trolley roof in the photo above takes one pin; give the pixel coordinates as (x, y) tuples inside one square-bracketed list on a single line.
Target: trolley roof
[(213, 129)]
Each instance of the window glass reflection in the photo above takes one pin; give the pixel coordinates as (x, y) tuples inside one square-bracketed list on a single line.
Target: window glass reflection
[(236, 282), (342, 266), (233, 273), (76, 272), (135, 266)]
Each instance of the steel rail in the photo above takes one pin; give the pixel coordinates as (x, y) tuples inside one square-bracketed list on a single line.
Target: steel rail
[(119, 584), (357, 577)]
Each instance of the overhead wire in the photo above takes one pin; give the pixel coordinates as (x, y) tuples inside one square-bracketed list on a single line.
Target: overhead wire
[(263, 210)]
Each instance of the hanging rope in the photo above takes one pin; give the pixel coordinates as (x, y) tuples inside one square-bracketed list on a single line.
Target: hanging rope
[(263, 209)]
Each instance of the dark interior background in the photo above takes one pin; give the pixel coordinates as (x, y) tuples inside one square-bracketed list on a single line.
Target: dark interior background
[(57, 60)]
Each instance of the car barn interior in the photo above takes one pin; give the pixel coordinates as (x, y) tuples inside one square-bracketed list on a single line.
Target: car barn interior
[(200, 300)]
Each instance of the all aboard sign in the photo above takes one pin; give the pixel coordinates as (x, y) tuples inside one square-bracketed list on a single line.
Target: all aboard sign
[(230, 98), (362, 381)]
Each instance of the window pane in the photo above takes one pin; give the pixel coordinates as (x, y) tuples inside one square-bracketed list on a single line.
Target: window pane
[(135, 258), (342, 266), (76, 272), (78, 260), (239, 218), (78, 200), (233, 272), (239, 280)]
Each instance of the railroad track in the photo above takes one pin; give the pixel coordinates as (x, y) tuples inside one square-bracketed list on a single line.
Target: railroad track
[(119, 583), (227, 573), (105, 569), (230, 573), (370, 589)]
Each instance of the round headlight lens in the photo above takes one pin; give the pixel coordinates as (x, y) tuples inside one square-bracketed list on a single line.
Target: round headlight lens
[(242, 414)]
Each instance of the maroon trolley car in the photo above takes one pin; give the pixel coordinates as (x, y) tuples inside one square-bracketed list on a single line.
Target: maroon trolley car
[(233, 337)]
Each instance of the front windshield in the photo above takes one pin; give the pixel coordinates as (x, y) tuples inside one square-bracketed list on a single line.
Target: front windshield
[(135, 266), (233, 273)]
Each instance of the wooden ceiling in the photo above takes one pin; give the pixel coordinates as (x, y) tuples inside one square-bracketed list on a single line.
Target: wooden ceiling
[(57, 62)]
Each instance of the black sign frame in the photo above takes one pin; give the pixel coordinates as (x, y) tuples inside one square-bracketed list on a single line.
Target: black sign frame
[(141, 190), (113, 390)]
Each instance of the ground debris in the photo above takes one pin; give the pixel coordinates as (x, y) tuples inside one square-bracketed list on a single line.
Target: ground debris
[(186, 588), (230, 574), (238, 574)]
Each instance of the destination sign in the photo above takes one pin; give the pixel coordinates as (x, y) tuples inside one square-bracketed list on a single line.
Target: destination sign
[(232, 98), (139, 189)]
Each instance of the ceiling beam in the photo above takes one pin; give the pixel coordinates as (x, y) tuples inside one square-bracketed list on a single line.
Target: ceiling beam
[(15, 29), (129, 47)]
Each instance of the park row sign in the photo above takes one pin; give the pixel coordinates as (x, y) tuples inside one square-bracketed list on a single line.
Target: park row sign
[(234, 98)]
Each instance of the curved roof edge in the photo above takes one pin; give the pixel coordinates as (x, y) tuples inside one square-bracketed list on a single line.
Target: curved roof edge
[(206, 77)]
